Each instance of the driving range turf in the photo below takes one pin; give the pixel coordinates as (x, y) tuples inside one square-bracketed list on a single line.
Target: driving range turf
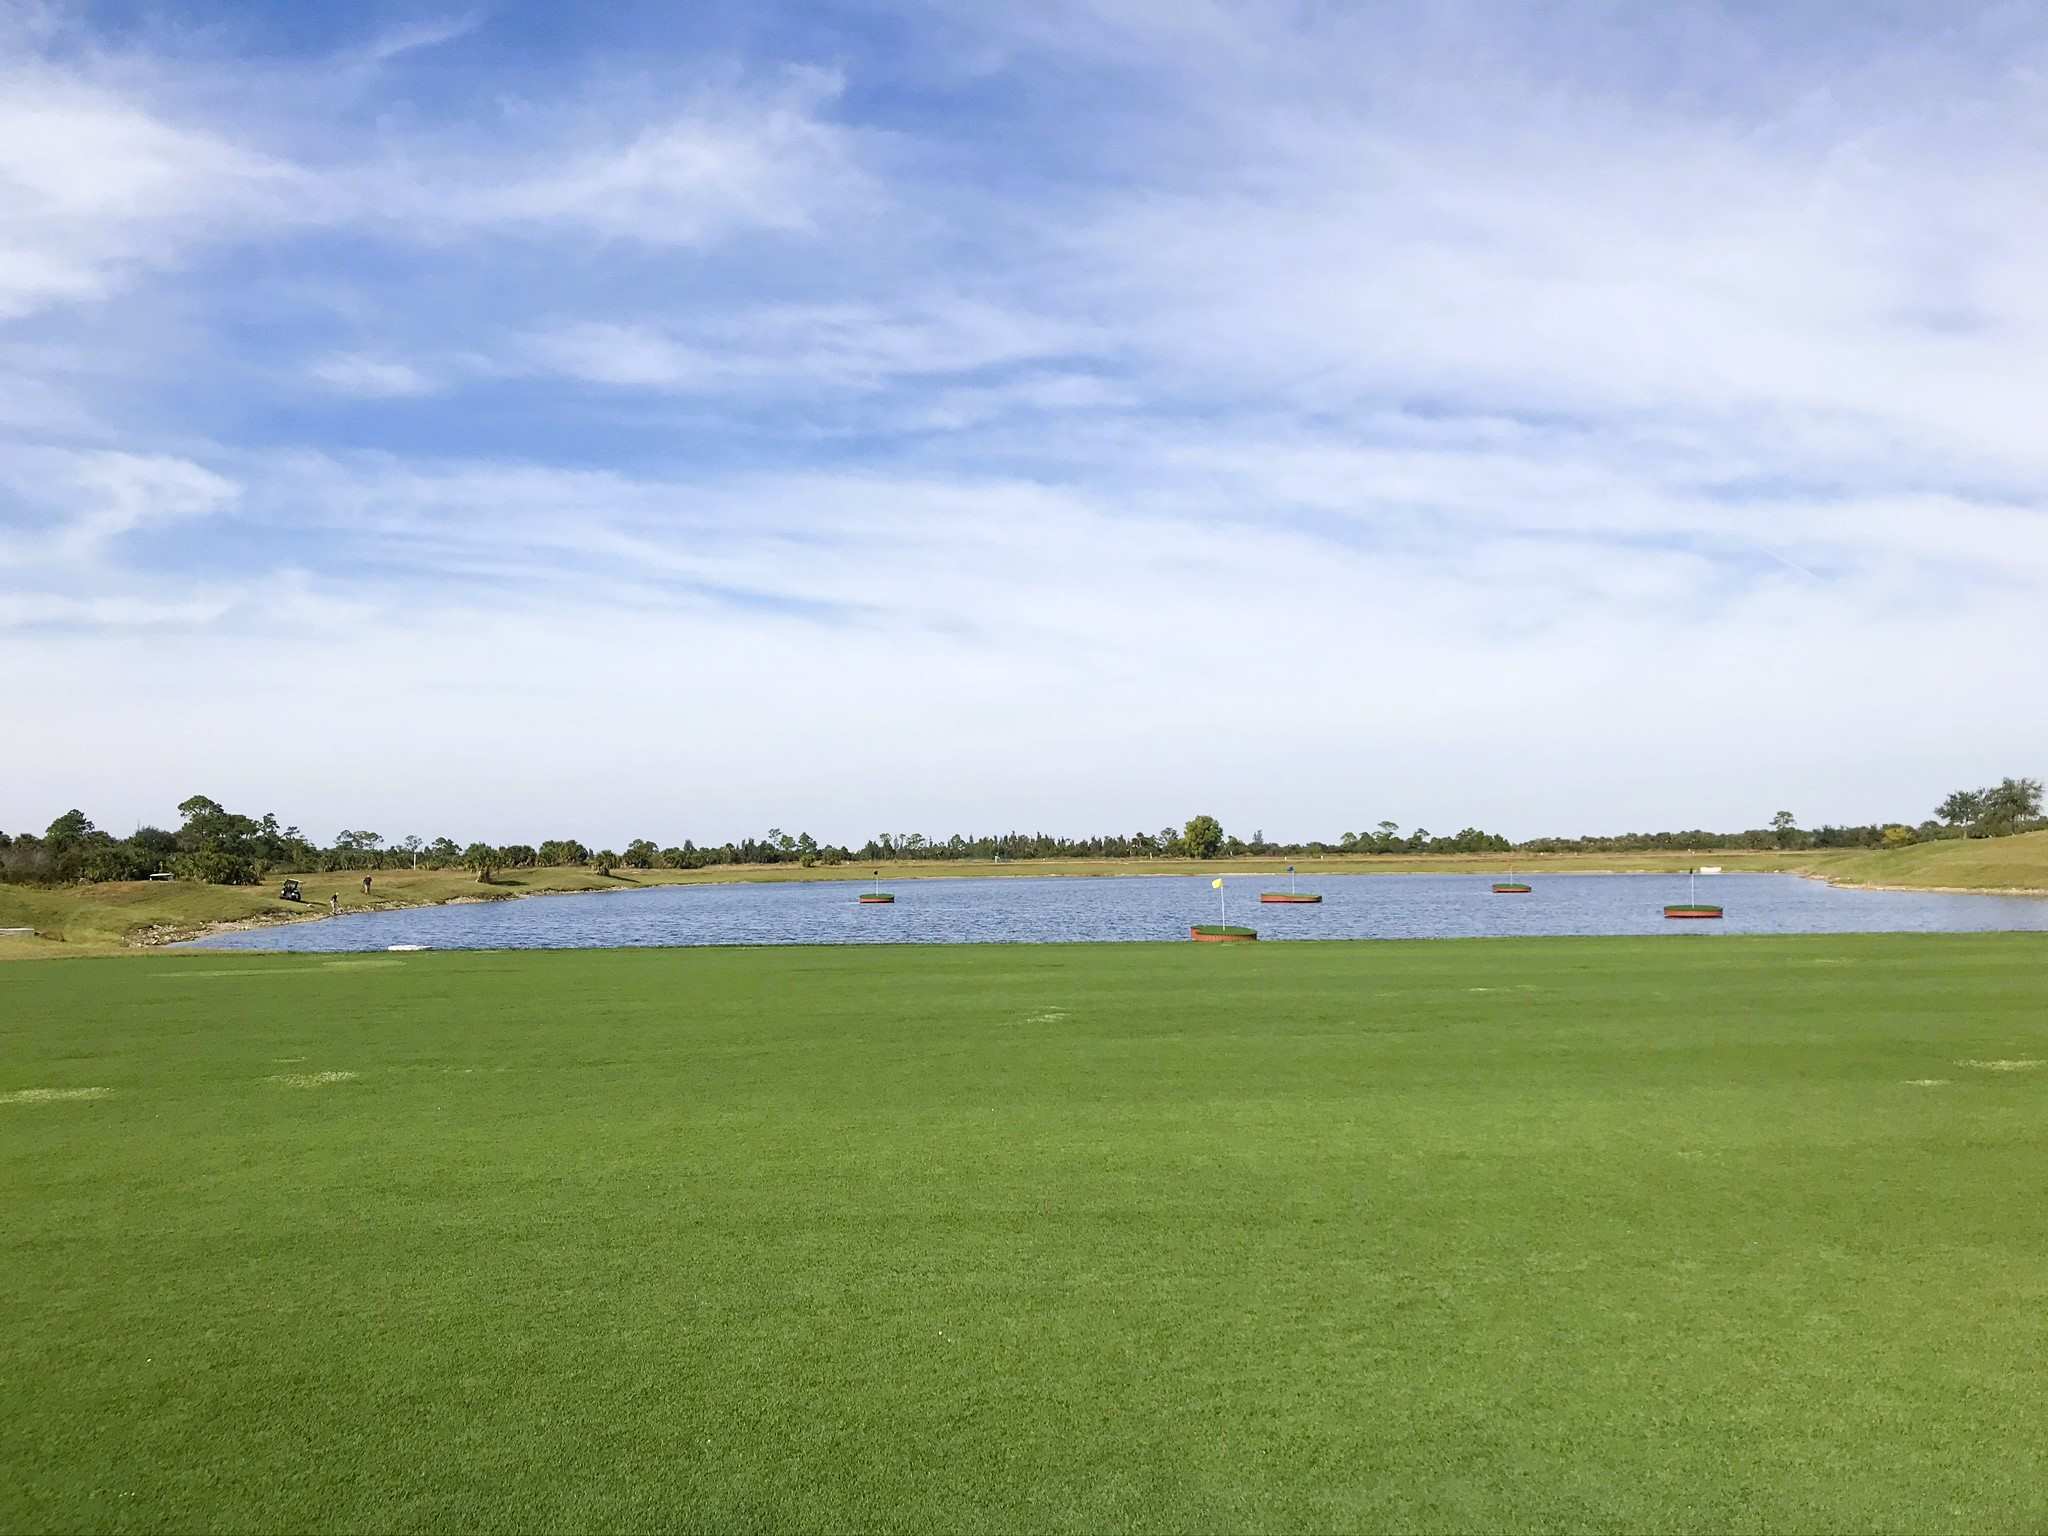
[(1701, 1232)]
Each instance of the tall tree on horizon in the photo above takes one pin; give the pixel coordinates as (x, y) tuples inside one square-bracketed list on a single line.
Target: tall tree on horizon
[(2009, 802), (1962, 808), (1204, 835)]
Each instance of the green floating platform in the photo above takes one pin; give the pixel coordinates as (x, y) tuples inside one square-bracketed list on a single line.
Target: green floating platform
[(1691, 909), (876, 899), (1511, 888), (1221, 933)]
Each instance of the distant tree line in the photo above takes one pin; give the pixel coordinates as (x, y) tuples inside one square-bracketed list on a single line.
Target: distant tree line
[(1202, 837), (2009, 806), (222, 847), (211, 844)]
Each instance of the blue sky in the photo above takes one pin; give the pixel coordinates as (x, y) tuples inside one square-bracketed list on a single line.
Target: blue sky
[(524, 420)]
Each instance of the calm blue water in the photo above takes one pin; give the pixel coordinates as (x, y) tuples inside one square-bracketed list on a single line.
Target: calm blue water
[(1038, 911)]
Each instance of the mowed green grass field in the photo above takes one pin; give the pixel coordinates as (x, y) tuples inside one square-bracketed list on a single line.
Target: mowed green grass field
[(1693, 1233)]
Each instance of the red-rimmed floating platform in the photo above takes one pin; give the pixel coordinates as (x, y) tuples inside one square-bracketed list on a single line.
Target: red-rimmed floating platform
[(1289, 898), (1510, 888), (875, 899), (1691, 909), (1222, 933)]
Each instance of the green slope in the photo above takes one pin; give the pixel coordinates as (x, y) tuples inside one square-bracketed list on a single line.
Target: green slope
[(1976, 864)]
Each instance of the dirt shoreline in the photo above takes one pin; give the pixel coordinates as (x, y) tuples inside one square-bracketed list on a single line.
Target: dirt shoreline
[(166, 935), (163, 935), (1930, 890)]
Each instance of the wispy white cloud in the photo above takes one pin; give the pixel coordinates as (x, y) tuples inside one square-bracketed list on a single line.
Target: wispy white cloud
[(761, 158), (94, 187), (842, 346), (628, 355), (416, 36), (353, 373), (979, 599), (138, 611), (69, 506), (119, 166)]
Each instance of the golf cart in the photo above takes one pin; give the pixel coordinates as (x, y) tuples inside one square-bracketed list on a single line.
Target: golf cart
[(291, 891)]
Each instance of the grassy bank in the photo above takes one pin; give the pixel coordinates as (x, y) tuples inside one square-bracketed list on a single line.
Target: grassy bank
[(98, 918), (1567, 1235), (90, 919), (1973, 864)]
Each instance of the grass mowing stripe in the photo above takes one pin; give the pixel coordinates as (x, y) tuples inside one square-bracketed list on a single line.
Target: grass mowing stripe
[(1587, 1234)]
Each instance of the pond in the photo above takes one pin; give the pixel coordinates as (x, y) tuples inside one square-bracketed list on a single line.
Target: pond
[(1024, 910)]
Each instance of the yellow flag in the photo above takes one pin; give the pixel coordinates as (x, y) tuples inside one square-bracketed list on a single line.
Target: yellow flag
[(1216, 884)]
